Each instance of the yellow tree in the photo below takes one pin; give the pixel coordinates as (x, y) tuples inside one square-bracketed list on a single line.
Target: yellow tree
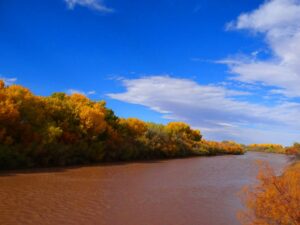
[(184, 131), (133, 127), (2, 84), (92, 119), (275, 199)]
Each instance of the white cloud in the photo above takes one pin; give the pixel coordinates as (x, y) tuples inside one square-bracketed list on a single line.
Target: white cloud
[(91, 92), (92, 4), (75, 91), (279, 22), (8, 80), (218, 110), (213, 109)]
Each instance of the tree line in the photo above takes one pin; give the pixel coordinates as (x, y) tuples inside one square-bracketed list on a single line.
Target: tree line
[(62, 129), (274, 148)]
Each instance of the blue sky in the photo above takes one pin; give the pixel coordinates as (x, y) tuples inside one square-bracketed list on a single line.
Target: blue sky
[(230, 68)]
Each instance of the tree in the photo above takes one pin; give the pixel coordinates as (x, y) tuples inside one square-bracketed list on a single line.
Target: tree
[(133, 127), (2, 84), (294, 150), (92, 119), (275, 199)]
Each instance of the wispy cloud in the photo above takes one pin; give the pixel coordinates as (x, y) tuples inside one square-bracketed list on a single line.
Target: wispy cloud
[(279, 22), (91, 92), (8, 80), (75, 91), (213, 109), (92, 4)]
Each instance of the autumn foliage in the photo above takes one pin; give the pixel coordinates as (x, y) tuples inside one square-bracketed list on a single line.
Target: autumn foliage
[(63, 129), (293, 150), (228, 147), (274, 148), (275, 199), (268, 148)]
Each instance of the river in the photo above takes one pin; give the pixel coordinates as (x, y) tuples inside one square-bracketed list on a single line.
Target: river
[(191, 191)]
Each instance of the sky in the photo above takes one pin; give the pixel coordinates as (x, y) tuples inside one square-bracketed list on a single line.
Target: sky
[(229, 68)]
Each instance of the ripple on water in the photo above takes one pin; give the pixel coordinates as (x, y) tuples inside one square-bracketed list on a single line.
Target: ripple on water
[(178, 192)]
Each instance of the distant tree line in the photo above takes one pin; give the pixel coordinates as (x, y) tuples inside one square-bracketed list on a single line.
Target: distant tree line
[(62, 129), (274, 148)]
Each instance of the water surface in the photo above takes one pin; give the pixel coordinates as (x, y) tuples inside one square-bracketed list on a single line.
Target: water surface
[(192, 191)]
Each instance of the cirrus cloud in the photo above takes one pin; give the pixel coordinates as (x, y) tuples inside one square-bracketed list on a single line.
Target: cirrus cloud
[(8, 80), (92, 4), (75, 91)]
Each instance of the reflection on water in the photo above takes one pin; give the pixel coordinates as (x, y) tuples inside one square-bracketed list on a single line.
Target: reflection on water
[(191, 191)]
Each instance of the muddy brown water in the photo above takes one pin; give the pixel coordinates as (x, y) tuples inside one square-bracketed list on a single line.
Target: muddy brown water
[(192, 191)]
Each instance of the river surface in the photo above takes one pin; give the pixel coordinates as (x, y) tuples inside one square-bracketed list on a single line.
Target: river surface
[(192, 191)]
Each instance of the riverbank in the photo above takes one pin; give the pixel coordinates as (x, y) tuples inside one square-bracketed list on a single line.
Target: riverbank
[(103, 164)]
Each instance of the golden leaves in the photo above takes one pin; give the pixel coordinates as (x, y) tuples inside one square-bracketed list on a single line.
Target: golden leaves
[(275, 199), (2, 84), (272, 148), (92, 119), (134, 126)]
